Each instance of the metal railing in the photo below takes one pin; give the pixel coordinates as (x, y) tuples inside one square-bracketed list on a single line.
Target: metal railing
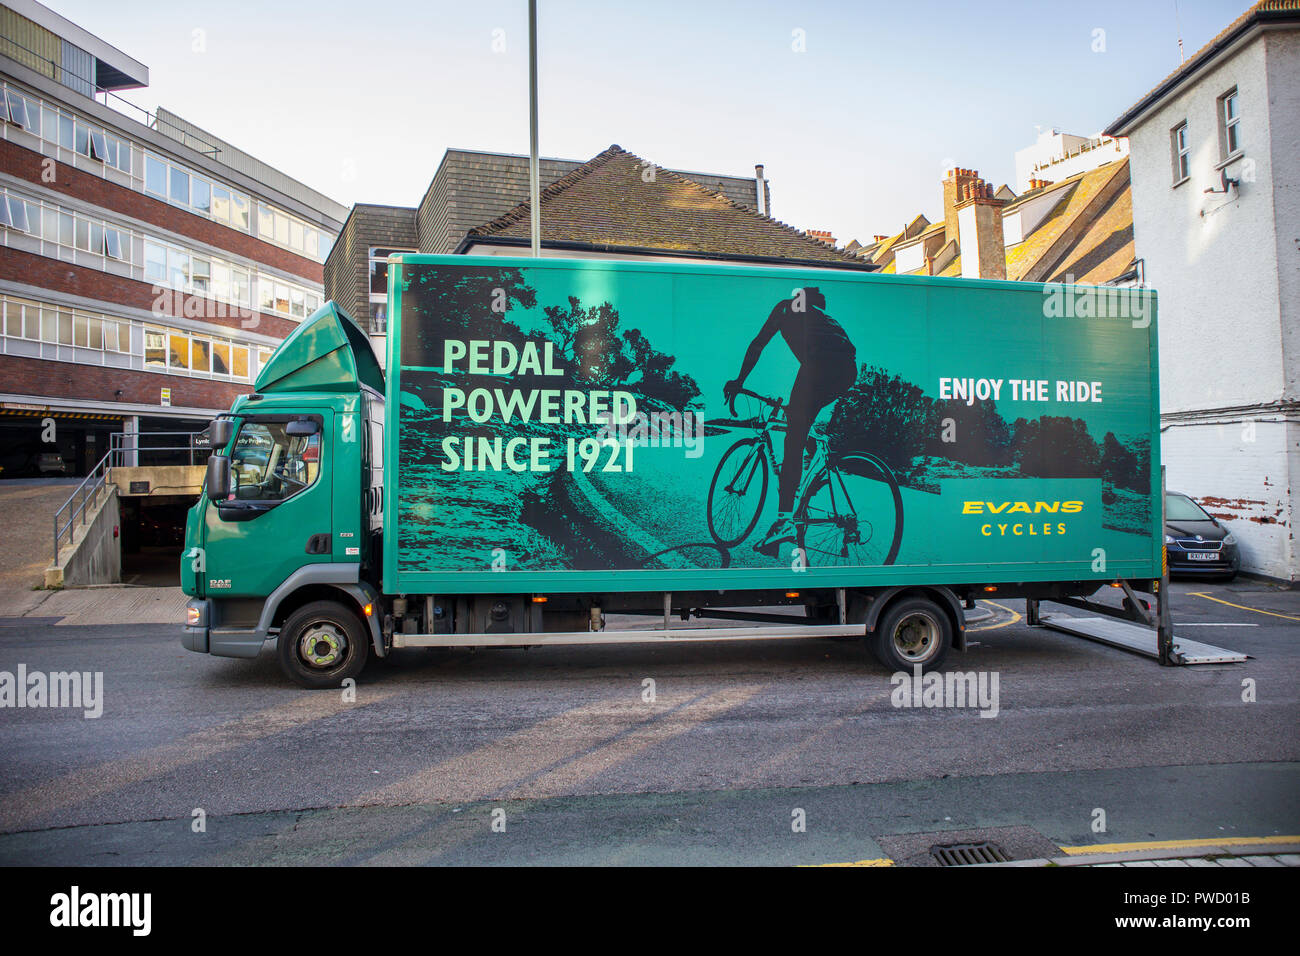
[(110, 99), (125, 450)]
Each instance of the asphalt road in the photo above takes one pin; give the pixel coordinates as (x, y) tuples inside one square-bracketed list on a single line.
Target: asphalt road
[(559, 749)]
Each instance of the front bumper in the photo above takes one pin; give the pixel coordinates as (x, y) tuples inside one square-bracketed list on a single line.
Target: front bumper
[(1224, 561), (199, 635)]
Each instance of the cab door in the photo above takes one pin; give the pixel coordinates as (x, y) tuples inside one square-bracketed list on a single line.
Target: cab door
[(278, 516)]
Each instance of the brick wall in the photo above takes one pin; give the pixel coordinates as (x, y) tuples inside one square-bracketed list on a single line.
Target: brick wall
[(68, 380), (26, 164), (28, 267)]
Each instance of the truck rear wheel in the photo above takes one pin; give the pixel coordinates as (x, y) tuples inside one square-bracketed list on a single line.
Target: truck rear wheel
[(322, 644), (911, 632)]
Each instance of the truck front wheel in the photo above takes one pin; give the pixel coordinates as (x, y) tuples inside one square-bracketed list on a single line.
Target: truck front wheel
[(322, 644), (913, 631)]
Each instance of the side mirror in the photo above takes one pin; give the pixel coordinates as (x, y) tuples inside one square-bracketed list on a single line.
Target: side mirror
[(220, 432), (218, 482), (302, 426)]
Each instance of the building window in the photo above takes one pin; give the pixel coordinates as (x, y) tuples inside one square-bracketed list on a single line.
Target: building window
[(1181, 152), (178, 352), (41, 322), (20, 112), (378, 286), (163, 178), (1229, 134)]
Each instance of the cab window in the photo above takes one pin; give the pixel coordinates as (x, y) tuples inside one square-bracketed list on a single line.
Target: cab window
[(270, 465)]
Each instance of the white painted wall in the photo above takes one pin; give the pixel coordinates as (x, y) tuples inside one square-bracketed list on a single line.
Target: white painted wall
[(1219, 263), (1056, 156), (909, 258)]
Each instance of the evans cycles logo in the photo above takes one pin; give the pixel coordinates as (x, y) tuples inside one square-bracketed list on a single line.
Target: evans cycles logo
[(1004, 514)]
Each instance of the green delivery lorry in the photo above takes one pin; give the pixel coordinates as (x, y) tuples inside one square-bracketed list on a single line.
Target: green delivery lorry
[(794, 452)]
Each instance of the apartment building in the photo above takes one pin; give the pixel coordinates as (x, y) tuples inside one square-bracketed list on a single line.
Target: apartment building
[(147, 267), (1216, 219)]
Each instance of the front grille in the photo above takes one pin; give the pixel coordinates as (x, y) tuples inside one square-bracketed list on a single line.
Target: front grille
[(1191, 544), (969, 854)]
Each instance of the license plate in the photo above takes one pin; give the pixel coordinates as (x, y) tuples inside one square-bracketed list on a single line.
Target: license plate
[(1203, 555)]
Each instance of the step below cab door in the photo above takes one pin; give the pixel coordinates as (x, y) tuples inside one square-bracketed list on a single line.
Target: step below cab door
[(278, 516)]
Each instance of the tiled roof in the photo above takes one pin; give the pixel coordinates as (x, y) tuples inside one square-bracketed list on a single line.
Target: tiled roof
[(611, 203), (1263, 12), (1087, 234), (882, 252)]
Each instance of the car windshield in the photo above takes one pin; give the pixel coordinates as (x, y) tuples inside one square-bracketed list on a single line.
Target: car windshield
[(1182, 508)]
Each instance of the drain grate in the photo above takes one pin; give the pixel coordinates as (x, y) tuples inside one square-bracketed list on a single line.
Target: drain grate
[(969, 854)]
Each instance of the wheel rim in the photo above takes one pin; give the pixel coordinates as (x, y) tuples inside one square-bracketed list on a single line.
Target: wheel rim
[(851, 515), (916, 638), (322, 645), (737, 492)]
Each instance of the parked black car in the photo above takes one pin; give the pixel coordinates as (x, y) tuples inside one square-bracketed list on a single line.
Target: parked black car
[(1196, 543)]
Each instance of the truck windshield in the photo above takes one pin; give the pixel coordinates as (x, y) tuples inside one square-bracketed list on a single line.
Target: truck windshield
[(269, 465)]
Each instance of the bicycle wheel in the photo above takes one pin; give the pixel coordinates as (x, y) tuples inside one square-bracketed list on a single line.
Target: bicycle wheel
[(851, 515), (737, 492)]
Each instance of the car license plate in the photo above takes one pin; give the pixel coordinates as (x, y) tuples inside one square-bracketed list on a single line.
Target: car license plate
[(1203, 555)]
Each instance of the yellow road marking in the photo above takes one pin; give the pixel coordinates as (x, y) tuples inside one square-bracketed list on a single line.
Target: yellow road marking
[(1177, 844), (881, 861), (1202, 594), (1015, 616)]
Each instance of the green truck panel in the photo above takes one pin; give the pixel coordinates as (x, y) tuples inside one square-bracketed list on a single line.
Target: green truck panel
[(561, 426)]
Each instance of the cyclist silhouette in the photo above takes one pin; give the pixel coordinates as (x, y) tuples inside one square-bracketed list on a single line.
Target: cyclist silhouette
[(827, 369)]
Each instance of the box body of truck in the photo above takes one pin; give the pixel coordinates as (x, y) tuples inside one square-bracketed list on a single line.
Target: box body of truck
[(562, 422), (561, 438)]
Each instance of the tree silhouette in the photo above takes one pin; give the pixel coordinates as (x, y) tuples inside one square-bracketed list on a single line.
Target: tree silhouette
[(462, 302), (589, 339), (1055, 447)]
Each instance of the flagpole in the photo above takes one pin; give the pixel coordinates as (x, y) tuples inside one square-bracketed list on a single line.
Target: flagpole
[(534, 174)]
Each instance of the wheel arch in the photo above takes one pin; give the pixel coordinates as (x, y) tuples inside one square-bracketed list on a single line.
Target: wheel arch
[(945, 599), (325, 582)]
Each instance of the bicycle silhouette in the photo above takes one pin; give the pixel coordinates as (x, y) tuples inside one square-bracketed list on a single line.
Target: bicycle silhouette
[(849, 511)]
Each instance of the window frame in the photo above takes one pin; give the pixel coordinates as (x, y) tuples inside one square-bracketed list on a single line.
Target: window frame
[(1229, 128), (1181, 154)]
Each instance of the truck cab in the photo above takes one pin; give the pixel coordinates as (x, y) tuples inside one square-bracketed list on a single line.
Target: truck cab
[(286, 530)]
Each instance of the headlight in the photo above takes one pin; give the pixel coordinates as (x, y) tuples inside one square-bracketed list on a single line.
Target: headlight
[(1229, 539), (1169, 539), (193, 616)]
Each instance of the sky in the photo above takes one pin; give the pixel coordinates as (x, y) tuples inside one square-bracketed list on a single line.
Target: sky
[(854, 108)]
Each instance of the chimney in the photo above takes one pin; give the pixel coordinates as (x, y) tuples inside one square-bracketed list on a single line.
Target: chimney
[(822, 235), (954, 187), (879, 238), (760, 189), (979, 226)]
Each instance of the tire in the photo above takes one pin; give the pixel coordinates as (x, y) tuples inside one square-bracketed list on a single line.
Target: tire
[(727, 519), (916, 623), (834, 530), (341, 651)]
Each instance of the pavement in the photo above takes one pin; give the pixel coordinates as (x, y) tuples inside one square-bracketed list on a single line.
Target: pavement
[(1095, 756), (27, 508), (105, 604)]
